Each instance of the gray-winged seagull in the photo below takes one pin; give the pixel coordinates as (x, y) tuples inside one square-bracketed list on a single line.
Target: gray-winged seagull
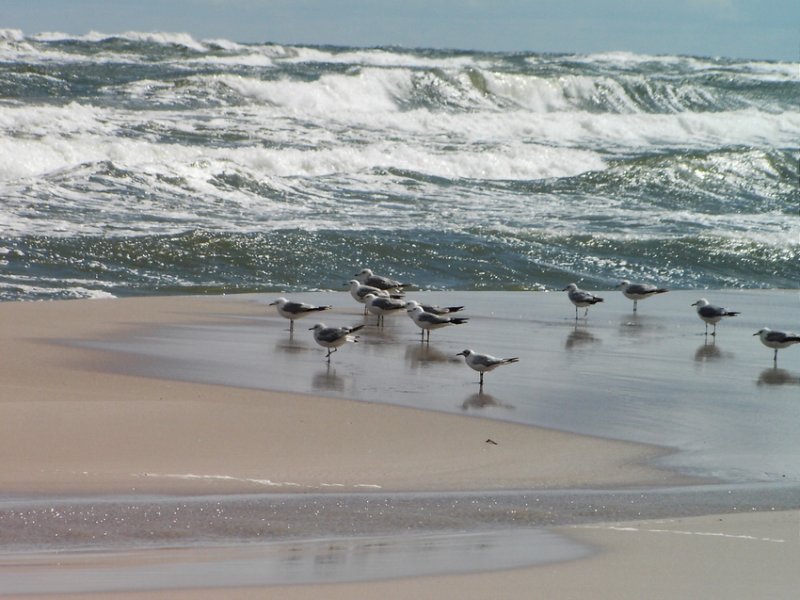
[(484, 362)]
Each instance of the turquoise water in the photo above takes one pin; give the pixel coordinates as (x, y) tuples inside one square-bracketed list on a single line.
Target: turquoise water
[(159, 164)]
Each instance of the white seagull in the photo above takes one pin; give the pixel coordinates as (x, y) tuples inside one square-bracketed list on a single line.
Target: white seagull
[(433, 309), (427, 321), (777, 340), (483, 362), (381, 306), (581, 298), (367, 277), (639, 291), (333, 337), (295, 310), (359, 292), (712, 314)]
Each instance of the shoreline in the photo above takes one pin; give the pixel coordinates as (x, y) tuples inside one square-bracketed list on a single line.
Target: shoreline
[(90, 430), (77, 391)]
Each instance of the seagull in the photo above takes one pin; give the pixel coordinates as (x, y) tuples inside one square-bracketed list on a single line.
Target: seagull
[(581, 298), (483, 362), (359, 291), (380, 306), (367, 277), (333, 337), (433, 309), (777, 340), (712, 314), (427, 321), (295, 310), (639, 291)]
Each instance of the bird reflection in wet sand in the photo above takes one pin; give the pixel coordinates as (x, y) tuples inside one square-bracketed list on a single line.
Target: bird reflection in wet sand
[(291, 346), (480, 401), (708, 351), (776, 376), (328, 380), (580, 336), (423, 355)]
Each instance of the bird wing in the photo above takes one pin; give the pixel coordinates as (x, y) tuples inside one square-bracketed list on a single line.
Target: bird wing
[(710, 310), (426, 317), (331, 334)]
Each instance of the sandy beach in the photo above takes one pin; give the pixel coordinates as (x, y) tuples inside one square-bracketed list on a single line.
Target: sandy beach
[(91, 414)]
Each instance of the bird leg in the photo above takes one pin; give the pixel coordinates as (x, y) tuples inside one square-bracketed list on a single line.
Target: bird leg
[(634, 305), (481, 384)]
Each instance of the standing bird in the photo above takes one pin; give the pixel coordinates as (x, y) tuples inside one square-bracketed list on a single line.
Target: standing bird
[(712, 314), (333, 337), (433, 309), (639, 291), (581, 298), (295, 310), (427, 321), (777, 340), (483, 362), (381, 306), (367, 277), (359, 292)]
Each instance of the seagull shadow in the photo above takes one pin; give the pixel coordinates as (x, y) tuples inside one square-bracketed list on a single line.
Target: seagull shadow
[(776, 376), (481, 400), (328, 380)]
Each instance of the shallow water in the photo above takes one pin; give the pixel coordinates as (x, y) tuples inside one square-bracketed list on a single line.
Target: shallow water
[(650, 377), (316, 561), (140, 542)]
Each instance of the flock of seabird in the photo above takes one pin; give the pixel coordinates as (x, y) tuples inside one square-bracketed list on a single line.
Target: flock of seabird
[(709, 313), (383, 296)]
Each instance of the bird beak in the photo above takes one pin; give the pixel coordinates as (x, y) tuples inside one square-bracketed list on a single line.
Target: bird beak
[(757, 333)]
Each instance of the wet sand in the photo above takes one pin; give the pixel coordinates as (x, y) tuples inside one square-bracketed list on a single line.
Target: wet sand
[(108, 402)]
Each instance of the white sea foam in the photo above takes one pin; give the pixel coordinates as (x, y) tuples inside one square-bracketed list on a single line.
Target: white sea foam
[(14, 290), (251, 480), (11, 35), (156, 37), (378, 57)]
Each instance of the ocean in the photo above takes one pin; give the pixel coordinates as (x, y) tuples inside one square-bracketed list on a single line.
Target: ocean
[(152, 163)]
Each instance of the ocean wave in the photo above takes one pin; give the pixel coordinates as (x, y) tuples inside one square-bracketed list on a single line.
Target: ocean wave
[(95, 37), (208, 165)]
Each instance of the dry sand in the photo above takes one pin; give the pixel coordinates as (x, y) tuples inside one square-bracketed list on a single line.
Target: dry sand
[(70, 424)]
